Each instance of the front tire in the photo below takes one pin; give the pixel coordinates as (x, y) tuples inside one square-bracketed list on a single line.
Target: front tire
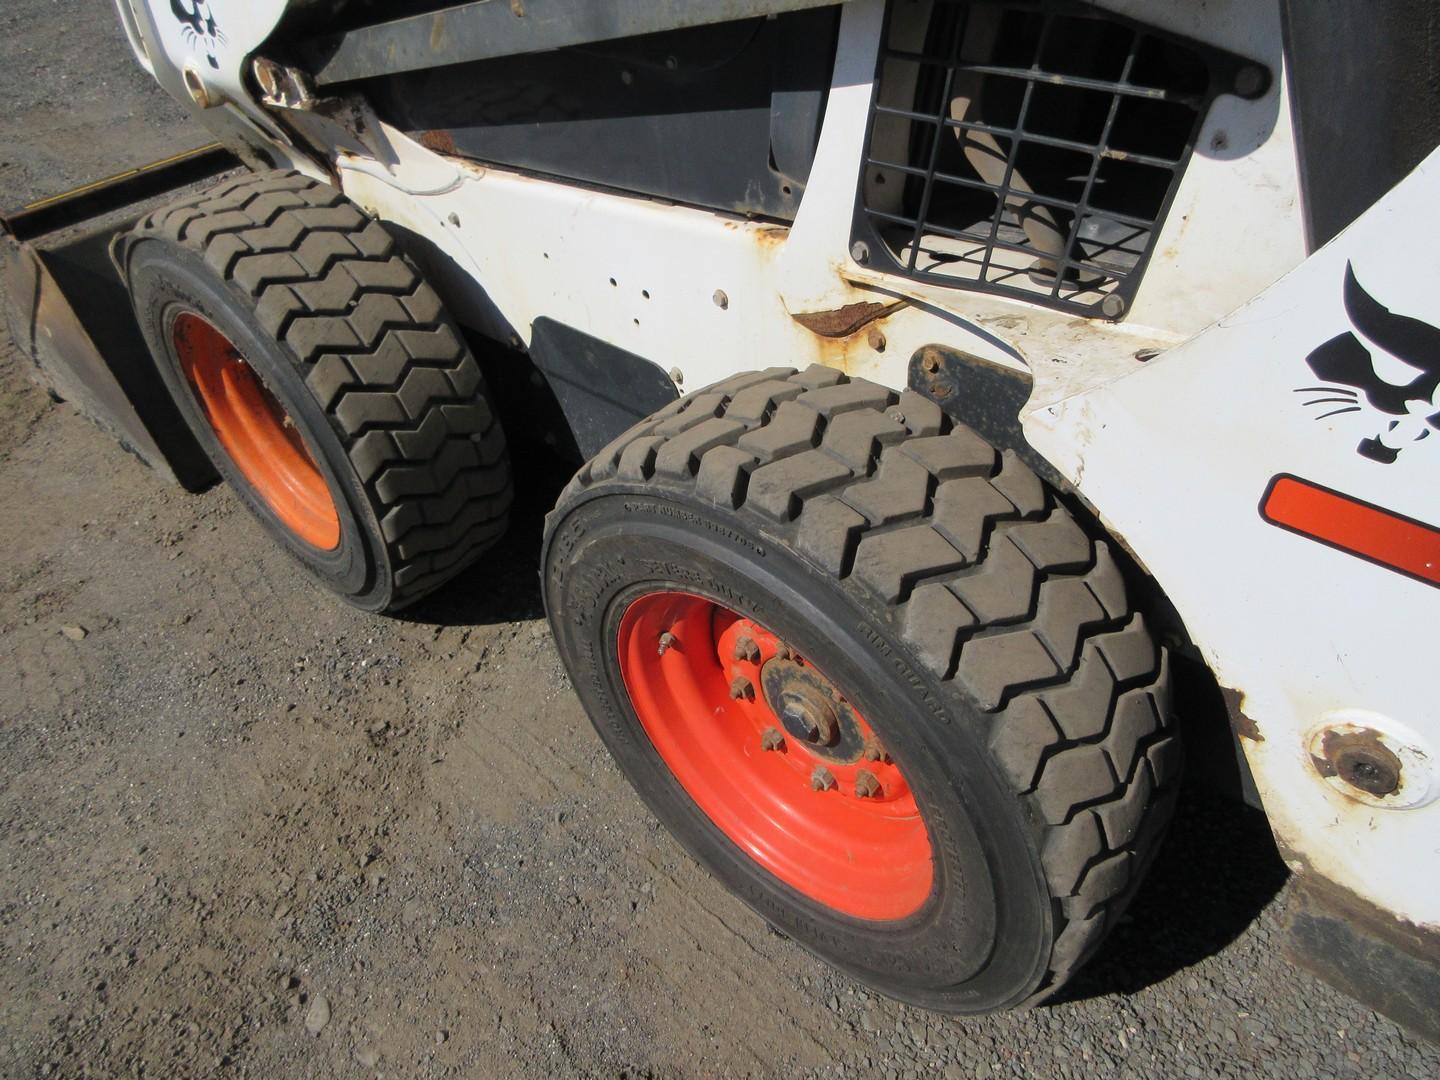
[(326, 382), (935, 589)]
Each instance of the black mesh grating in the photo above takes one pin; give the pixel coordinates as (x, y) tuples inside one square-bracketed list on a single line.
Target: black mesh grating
[(1031, 147)]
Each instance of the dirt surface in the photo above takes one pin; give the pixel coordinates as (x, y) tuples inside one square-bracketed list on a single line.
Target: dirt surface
[(245, 830)]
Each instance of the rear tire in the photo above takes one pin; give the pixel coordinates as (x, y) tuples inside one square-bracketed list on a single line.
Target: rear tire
[(981, 633), (325, 319)]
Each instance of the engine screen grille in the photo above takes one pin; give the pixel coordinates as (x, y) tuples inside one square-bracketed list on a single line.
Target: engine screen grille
[(1031, 147)]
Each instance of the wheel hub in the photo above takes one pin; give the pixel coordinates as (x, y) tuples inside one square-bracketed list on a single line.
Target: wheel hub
[(775, 755), (810, 709)]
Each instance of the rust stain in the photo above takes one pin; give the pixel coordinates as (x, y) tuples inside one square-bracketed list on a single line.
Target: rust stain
[(440, 140), (1246, 728), (1243, 726), (772, 235), (844, 321)]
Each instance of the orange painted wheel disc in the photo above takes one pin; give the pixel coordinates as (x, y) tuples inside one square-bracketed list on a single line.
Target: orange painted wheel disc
[(256, 432), (775, 756)]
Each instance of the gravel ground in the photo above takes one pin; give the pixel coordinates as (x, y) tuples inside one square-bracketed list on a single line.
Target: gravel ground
[(247, 831)]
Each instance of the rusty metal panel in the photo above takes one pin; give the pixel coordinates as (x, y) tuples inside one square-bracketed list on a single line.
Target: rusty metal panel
[(69, 312), (65, 359)]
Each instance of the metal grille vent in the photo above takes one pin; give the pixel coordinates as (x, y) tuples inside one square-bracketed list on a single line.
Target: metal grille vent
[(1031, 147)]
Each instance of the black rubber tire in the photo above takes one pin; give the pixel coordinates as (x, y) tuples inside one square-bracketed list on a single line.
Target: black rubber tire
[(343, 330), (985, 636)]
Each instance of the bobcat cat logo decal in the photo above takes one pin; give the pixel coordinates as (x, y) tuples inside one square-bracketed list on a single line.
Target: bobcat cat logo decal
[(197, 27), (1387, 363)]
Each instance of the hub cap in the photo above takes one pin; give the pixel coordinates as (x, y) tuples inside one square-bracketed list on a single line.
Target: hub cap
[(256, 432), (775, 756)]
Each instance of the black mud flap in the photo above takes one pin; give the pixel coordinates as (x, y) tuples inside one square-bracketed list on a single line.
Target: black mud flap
[(602, 389)]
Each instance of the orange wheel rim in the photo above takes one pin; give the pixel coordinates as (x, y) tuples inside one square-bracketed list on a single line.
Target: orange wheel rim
[(256, 432), (775, 756)]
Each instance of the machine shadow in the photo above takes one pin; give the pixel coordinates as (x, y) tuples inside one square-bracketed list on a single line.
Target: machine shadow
[(504, 584), (1216, 870)]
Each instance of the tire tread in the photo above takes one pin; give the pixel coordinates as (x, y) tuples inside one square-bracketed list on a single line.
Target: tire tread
[(991, 582), (384, 362)]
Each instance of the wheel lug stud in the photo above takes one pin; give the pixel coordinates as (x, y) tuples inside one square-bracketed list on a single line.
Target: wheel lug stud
[(741, 687), (746, 649), (866, 786), (666, 640), (822, 779), (771, 739)]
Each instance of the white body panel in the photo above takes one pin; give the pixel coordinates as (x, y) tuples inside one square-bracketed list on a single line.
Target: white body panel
[(1178, 457), (1175, 455)]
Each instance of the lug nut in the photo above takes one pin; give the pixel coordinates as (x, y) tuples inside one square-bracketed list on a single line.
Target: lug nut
[(866, 786), (782, 651), (771, 739), (666, 640), (746, 649), (741, 687), (874, 751), (822, 779)]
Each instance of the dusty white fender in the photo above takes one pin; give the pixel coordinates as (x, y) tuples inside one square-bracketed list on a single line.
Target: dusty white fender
[(1279, 474)]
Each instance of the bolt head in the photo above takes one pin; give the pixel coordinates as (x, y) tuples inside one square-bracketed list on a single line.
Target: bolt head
[(677, 376), (860, 252), (798, 716), (1368, 771), (741, 687), (1113, 305), (1250, 80), (722, 301), (772, 739), (746, 649), (876, 339), (866, 785), (822, 779)]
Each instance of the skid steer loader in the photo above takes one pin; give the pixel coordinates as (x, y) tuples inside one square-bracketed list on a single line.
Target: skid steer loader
[(946, 379)]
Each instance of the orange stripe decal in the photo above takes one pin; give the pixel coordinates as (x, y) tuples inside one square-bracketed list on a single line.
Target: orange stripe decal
[(1340, 521)]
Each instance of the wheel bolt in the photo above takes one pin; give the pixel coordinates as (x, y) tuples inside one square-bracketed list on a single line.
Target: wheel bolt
[(782, 651), (666, 640), (873, 750), (746, 649), (741, 687), (822, 779), (771, 739), (866, 786)]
